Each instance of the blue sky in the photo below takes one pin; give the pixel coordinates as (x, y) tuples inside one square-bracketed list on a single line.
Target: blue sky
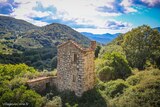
[(95, 16)]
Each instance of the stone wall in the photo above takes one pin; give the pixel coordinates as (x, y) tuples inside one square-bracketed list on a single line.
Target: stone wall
[(42, 84), (69, 67), (89, 68), (75, 68)]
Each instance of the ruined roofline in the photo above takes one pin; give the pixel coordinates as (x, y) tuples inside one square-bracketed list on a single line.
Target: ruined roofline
[(39, 79), (76, 45)]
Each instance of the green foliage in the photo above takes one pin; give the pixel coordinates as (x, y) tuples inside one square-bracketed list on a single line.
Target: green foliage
[(97, 50), (141, 49), (23, 96), (143, 90), (13, 71), (55, 102), (68, 97), (4, 49), (141, 76), (111, 48), (12, 85), (68, 105), (12, 24), (43, 58), (92, 98), (115, 88), (7, 97), (115, 66), (30, 36), (139, 96), (17, 82), (134, 80), (106, 73), (140, 44), (32, 98)]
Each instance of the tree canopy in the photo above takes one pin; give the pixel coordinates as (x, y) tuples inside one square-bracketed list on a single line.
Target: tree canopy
[(142, 44)]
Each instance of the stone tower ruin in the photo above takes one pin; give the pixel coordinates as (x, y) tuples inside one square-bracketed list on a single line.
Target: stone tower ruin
[(75, 68)]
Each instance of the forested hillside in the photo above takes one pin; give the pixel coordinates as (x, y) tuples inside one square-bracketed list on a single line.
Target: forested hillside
[(15, 25), (22, 42)]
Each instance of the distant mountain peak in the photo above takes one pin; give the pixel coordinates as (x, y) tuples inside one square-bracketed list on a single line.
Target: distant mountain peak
[(101, 38), (12, 24), (158, 28)]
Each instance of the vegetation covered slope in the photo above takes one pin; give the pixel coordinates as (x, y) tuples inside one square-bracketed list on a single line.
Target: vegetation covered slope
[(22, 33), (22, 42), (12, 24), (128, 69)]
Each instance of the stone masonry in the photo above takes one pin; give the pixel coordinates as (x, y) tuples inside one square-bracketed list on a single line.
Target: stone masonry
[(42, 84), (75, 69)]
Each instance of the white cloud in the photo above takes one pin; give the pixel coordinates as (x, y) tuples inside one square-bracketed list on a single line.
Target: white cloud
[(151, 2), (126, 3), (38, 14), (25, 11), (2, 1), (38, 23), (82, 12), (102, 31), (109, 26)]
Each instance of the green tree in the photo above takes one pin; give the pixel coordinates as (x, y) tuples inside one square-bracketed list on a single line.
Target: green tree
[(115, 66), (106, 74), (32, 98), (97, 50), (139, 44), (115, 88), (55, 102), (7, 97), (22, 95)]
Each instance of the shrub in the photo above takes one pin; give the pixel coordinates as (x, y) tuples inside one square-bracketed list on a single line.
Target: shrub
[(144, 93), (115, 88), (115, 66), (106, 73), (55, 102)]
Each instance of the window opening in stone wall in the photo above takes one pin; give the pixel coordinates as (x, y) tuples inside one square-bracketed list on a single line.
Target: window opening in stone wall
[(47, 86), (75, 58), (77, 69), (74, 78)]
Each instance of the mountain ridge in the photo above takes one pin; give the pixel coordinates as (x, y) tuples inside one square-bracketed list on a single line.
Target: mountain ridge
[(106, 37), (101, 38), (12, 24), (27, 35), (157, 28)]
